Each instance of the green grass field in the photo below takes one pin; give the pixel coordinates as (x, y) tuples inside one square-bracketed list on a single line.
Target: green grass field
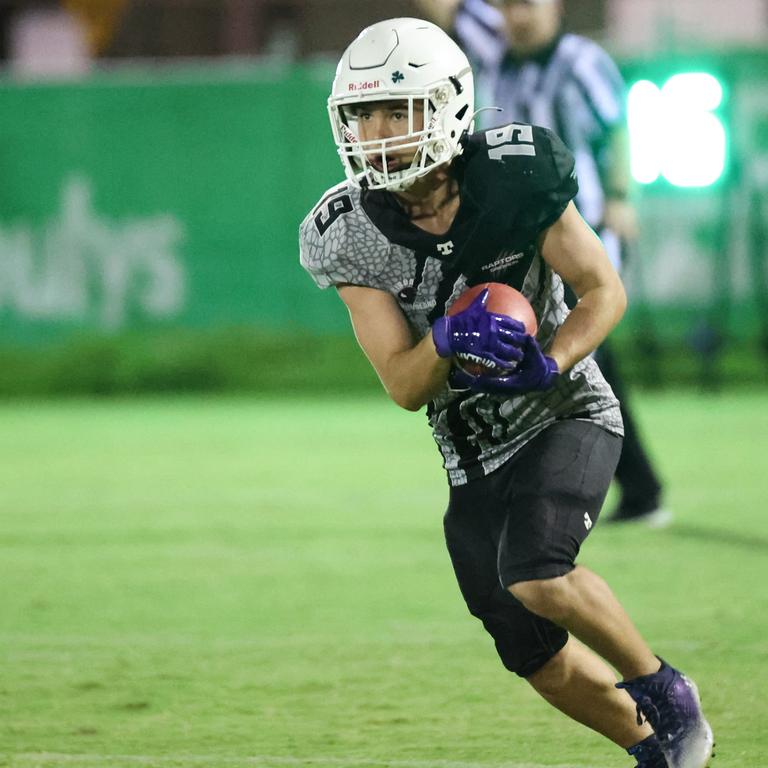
[(231, 583)]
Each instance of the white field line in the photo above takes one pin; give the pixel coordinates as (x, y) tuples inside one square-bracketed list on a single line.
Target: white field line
[(161, 640), (266, 761)]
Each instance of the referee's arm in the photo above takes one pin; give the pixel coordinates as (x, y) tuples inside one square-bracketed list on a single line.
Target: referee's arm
[(604, 93), (620, 215)]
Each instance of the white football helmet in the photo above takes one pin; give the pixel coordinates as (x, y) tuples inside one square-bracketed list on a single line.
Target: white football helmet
[(406, 60)]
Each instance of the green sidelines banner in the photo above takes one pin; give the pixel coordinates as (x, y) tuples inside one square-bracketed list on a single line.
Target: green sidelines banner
[(171, 199), (146, 200)]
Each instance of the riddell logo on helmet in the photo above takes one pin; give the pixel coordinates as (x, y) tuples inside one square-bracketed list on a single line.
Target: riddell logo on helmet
[(365, 85)]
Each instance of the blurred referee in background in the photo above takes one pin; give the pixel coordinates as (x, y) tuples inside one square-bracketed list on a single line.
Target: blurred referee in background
[(531, 69)]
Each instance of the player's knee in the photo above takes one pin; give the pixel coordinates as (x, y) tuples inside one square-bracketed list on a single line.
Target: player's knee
[(516, 653), (550, 598), (523, 642)]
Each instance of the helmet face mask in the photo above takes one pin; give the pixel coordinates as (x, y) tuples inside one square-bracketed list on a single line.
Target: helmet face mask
[(376, 160), (412, 65)]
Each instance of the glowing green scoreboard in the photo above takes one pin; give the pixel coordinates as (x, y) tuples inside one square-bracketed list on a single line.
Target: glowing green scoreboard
[(678, 129)]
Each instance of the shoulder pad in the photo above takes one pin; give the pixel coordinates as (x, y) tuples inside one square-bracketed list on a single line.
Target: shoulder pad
[(520, 157), (338, 244), (522, 172)]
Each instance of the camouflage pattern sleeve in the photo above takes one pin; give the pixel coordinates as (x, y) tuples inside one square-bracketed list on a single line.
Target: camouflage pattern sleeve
[(338, 244)]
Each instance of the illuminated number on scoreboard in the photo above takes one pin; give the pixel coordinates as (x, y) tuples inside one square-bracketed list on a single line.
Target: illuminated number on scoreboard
[(330, 211), (674, 131), (510, 140)]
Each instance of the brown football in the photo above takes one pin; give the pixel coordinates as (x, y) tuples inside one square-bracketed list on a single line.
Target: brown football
[(504, 300)]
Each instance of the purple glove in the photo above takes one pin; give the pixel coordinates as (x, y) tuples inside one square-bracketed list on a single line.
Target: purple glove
[(535, 371), (497, 338)]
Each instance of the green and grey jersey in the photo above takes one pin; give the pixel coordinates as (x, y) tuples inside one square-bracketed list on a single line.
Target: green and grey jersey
[(514, 182)]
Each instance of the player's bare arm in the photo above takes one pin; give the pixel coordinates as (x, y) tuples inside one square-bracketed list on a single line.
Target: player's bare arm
[(575, 252), (410, 370)]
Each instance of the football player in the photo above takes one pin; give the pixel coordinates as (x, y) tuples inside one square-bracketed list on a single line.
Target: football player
[(428, 209)]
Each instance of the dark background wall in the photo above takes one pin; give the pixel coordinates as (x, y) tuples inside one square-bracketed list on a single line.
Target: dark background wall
[(204, 27)]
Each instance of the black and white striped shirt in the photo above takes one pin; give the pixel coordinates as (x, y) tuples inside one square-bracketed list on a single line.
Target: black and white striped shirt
[(573, 88)]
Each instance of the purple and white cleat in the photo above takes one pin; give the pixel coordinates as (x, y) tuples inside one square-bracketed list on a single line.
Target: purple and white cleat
[(669, 701), (648, 753)]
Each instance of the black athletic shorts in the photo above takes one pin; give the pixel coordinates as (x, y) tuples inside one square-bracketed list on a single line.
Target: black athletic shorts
[(527, 521)]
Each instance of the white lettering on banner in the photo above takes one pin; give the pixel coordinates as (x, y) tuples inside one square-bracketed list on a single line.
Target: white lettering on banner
[(81, 265)]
